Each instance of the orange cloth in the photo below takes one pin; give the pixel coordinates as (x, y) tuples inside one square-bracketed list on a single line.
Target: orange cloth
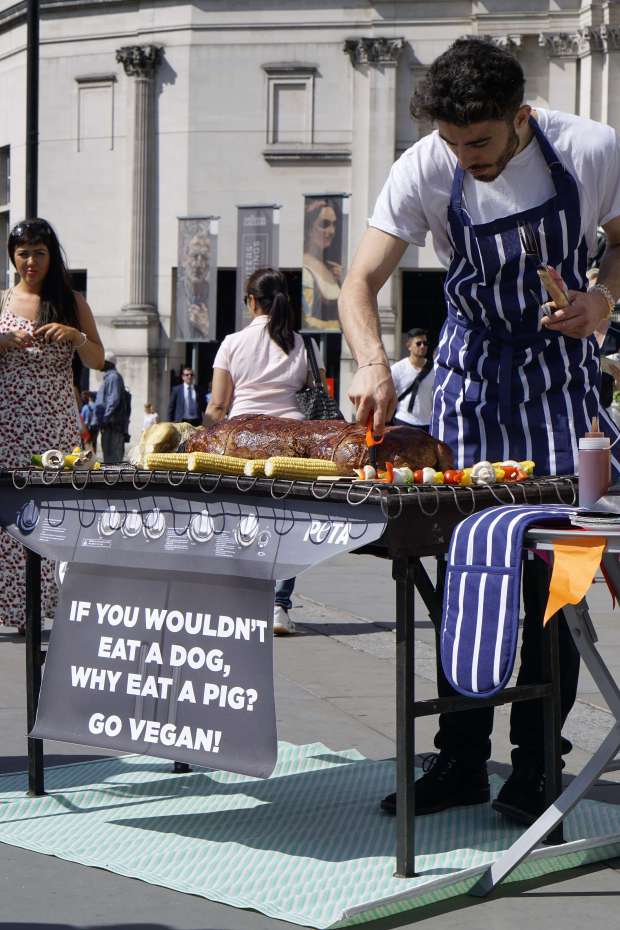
[(574, 566)]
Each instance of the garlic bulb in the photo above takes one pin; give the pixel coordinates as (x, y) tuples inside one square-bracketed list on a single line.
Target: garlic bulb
[(483, 473), (403, 475), (53, 458)]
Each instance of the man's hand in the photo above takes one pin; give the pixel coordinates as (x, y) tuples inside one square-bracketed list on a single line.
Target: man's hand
[(582, 316), (372, 390)]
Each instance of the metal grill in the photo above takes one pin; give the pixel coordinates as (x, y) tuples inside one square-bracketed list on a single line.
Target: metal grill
[(394, 500)]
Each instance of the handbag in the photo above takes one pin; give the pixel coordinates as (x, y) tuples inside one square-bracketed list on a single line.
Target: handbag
[(313, 400)]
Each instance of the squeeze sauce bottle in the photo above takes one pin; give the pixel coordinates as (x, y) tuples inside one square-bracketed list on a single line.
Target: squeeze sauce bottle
[(594, 466)]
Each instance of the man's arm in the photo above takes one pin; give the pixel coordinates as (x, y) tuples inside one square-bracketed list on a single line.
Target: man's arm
[(112, 397), (587, 313), (372, 388), (609, 269)]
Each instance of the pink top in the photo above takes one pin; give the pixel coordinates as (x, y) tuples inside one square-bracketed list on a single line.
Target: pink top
[(265, 379)]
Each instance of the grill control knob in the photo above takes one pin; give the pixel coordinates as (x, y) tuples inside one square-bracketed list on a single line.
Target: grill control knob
[(154, 524), (28, 517), (201, 527), (247, 531), (109, 522), (132, 524)]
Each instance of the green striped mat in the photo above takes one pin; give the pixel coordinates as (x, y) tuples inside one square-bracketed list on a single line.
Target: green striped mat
[(307, 845)]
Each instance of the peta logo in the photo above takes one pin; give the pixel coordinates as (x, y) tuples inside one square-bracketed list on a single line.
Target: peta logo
[(330, 532)]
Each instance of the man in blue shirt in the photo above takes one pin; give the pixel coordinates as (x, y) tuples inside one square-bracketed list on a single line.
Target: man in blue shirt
[(112, 413)]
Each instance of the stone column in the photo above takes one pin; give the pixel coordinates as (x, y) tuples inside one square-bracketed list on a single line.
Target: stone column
[(140, 62), (590, 48), (610, 35), (576, 71), (563, 51), (374, 137), (140, 344)]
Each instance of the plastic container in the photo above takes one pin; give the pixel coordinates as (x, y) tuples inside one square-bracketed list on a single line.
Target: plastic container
[(594, 466)]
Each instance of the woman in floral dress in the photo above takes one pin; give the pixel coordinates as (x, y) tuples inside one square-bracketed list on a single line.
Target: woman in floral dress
[(42, 323)]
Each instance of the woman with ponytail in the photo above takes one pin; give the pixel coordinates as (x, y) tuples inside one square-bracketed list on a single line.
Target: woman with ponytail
[(260, 370)]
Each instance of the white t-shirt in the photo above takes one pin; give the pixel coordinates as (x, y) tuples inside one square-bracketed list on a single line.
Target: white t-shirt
[(415, 197), (265, 379), (403, 374), (150, 419)]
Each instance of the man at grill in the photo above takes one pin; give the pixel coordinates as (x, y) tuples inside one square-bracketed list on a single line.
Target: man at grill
[(510, 382)]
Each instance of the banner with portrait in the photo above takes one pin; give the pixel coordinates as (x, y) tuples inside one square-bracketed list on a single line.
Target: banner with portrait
[(258, 227), (196, 284), (326, 228)]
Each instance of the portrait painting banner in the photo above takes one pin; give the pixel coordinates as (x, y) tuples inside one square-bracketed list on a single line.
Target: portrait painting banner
[(326, 222), (196, 287), (258, 228)]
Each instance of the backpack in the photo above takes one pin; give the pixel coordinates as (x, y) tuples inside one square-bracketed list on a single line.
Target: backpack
[(119, 419), (125, 412)]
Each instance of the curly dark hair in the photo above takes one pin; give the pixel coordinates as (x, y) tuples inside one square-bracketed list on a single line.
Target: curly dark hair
[(472, 81)]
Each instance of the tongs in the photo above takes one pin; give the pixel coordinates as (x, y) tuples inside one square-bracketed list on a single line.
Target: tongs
[(371, 442), (549, 277)]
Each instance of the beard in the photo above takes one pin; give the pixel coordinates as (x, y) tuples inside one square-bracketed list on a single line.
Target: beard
[(492, 172)]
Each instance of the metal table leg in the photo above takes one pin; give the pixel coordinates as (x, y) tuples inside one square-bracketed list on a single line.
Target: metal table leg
[(403, 573), (583, 633), (552, 722), (33, 669)]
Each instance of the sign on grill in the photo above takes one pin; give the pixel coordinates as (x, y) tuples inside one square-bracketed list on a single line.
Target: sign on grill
[(165, 664)]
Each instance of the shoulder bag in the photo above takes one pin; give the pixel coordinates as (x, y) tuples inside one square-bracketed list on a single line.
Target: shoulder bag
[(313, 400)]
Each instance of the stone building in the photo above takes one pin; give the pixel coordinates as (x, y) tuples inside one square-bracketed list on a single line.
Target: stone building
[(151, 110)]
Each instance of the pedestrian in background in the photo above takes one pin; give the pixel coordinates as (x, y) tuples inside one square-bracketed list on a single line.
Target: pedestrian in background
[(260, 370), (413, 383), (89, 419), (43, 321), (150, 416), (113, 412), (187, 402)]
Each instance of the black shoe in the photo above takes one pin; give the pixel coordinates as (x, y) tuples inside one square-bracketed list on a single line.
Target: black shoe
[(522, 797), (447, 783)]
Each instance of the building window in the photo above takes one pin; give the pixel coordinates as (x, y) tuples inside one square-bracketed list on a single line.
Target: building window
[(290, 103), (5, 176), (79, 278), (291, 117), (95, 111), (5, 209)]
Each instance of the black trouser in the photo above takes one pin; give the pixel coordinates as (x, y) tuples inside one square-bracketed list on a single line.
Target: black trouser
[(112, 446), (466, 735)]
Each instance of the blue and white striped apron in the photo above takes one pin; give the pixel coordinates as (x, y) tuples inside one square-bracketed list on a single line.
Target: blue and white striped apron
[(482, 593), (504, 387)]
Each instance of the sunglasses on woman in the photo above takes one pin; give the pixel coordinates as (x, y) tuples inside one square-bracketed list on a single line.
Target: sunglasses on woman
[(31, 226)]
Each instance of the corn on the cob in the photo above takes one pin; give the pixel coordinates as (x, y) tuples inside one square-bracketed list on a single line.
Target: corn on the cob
[(286, 466), (255, 468), (167, 460), (215, 464)]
